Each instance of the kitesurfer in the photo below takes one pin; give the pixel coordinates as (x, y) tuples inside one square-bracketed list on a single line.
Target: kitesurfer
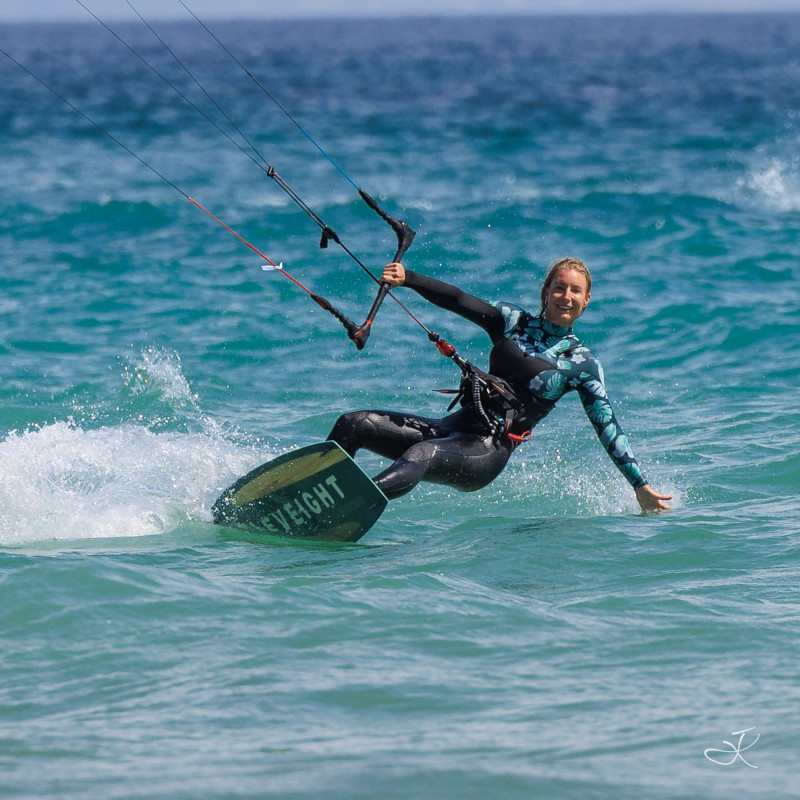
[(534, 361)]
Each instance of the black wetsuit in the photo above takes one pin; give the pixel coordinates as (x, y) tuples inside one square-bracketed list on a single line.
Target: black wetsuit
[(539, 360)]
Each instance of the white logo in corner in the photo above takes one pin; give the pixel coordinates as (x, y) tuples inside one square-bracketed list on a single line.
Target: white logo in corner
[(730, 756)]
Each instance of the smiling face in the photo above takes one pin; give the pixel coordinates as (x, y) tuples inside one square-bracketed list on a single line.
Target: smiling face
[(566, 296)]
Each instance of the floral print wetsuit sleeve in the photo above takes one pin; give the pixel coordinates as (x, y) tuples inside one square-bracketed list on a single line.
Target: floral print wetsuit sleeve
[(592, 392)]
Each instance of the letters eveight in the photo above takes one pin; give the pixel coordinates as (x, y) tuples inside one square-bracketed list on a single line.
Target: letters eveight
[(305, 505)]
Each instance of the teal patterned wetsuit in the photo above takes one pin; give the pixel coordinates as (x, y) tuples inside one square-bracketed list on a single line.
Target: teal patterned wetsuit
[(541, 362)]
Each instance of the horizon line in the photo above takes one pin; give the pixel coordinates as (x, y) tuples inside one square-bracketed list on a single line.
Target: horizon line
[(393, 14)]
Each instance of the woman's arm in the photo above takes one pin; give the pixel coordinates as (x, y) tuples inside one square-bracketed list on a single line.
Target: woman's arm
[(450, 298), (601, 414)]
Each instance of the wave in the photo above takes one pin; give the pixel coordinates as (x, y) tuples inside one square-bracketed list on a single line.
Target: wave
[(774, 183), (61, 482), (140, 463)]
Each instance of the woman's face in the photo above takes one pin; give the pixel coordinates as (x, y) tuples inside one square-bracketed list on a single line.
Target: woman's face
[(566, 297)]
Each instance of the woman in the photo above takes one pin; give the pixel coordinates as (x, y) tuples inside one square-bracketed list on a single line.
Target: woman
[(538, 360)]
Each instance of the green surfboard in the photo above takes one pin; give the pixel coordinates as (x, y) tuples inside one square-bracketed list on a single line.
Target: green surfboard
[(317, 492)]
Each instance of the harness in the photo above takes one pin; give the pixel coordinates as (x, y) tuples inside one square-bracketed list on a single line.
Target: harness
[(494, 400), (497, 403)]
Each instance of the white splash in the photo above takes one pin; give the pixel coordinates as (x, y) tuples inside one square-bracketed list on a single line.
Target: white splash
[(60, 482), (159, 370), (778, 183)]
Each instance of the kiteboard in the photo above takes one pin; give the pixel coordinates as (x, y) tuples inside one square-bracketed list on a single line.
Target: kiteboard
[(317, 492)]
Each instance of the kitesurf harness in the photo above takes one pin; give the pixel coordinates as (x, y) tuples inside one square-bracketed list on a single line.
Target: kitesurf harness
[(495, 402), (493, 399)]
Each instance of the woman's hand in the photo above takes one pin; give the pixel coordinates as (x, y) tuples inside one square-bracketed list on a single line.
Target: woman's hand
[(394, 274), (651, 500)]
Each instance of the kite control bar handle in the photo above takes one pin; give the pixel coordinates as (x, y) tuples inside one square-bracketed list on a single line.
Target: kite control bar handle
[(404, 238)]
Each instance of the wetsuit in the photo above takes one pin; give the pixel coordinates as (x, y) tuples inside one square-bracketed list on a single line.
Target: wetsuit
[(540, 361)]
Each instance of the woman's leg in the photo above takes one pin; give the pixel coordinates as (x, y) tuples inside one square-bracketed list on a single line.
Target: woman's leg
[(423, 449), (387, 433), (464, 461)]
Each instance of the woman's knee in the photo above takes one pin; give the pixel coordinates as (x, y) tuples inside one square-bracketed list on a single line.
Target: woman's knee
[(350, 429)]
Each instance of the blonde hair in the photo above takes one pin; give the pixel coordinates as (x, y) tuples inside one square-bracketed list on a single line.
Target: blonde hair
[(556, 267)]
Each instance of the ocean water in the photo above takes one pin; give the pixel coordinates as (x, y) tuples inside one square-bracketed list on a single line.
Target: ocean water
[(539, 638)]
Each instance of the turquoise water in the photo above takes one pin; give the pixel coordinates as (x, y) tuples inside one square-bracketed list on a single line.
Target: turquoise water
[(539, 638)]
